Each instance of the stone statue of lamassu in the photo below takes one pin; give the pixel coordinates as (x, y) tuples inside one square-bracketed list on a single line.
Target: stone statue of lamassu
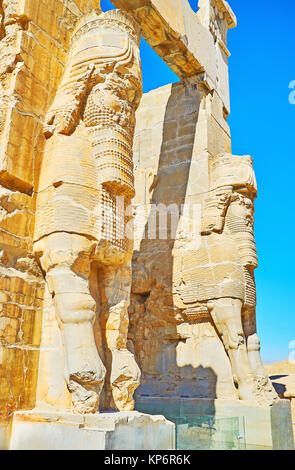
[(84, 192), (218, 278)]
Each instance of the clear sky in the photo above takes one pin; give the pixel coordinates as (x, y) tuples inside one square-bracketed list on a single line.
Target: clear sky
[(262, 124)]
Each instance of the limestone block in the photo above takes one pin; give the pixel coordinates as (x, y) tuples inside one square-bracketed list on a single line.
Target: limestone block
[(36, 430), (21, 286), (34, 41), (8, 329), (191, 140)]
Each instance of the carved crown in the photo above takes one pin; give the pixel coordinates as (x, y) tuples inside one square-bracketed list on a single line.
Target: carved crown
[(96, 19), (234, 171)]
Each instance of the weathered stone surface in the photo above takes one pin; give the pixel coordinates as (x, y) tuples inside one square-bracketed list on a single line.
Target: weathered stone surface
[(108, 431), (21, 301), (34, 42), (70, 84), (80, 215), (190, 43), (194, 286)]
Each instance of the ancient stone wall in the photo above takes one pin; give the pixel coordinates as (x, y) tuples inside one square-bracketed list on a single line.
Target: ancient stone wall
[(188, 340), (180, 128)]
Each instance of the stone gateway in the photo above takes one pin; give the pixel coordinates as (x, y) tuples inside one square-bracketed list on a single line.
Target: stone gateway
[(127, 250)]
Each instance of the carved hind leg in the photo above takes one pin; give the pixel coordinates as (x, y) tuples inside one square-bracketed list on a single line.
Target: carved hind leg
[(263, 384), (125, 373), (65, 260), (227, 316)]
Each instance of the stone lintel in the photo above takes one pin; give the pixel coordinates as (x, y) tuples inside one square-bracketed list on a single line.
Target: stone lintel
[(183, 38), (163, 28), (227, 11)]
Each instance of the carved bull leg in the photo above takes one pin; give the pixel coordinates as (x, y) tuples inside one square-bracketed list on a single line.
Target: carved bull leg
[(125, 373), (253, 346), (265, 391), (264, 387), (226, 314), (65, 260)]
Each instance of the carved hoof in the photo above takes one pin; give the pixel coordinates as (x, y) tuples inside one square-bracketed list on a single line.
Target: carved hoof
[(123, 389), (265, 393), (85, 389), (258, 389), (246, 389), (125, 379)]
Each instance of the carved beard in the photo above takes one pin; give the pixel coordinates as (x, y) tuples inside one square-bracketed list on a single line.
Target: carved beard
[(111, 137), (242, 230)]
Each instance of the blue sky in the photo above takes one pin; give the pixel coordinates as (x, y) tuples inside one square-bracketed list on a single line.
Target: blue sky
[(262, 124)]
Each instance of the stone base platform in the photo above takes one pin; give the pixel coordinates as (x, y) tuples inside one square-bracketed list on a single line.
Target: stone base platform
[(236, 424), (39, 430)]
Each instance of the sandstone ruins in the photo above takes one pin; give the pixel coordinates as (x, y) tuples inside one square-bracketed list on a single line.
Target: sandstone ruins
[(127, 252)]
